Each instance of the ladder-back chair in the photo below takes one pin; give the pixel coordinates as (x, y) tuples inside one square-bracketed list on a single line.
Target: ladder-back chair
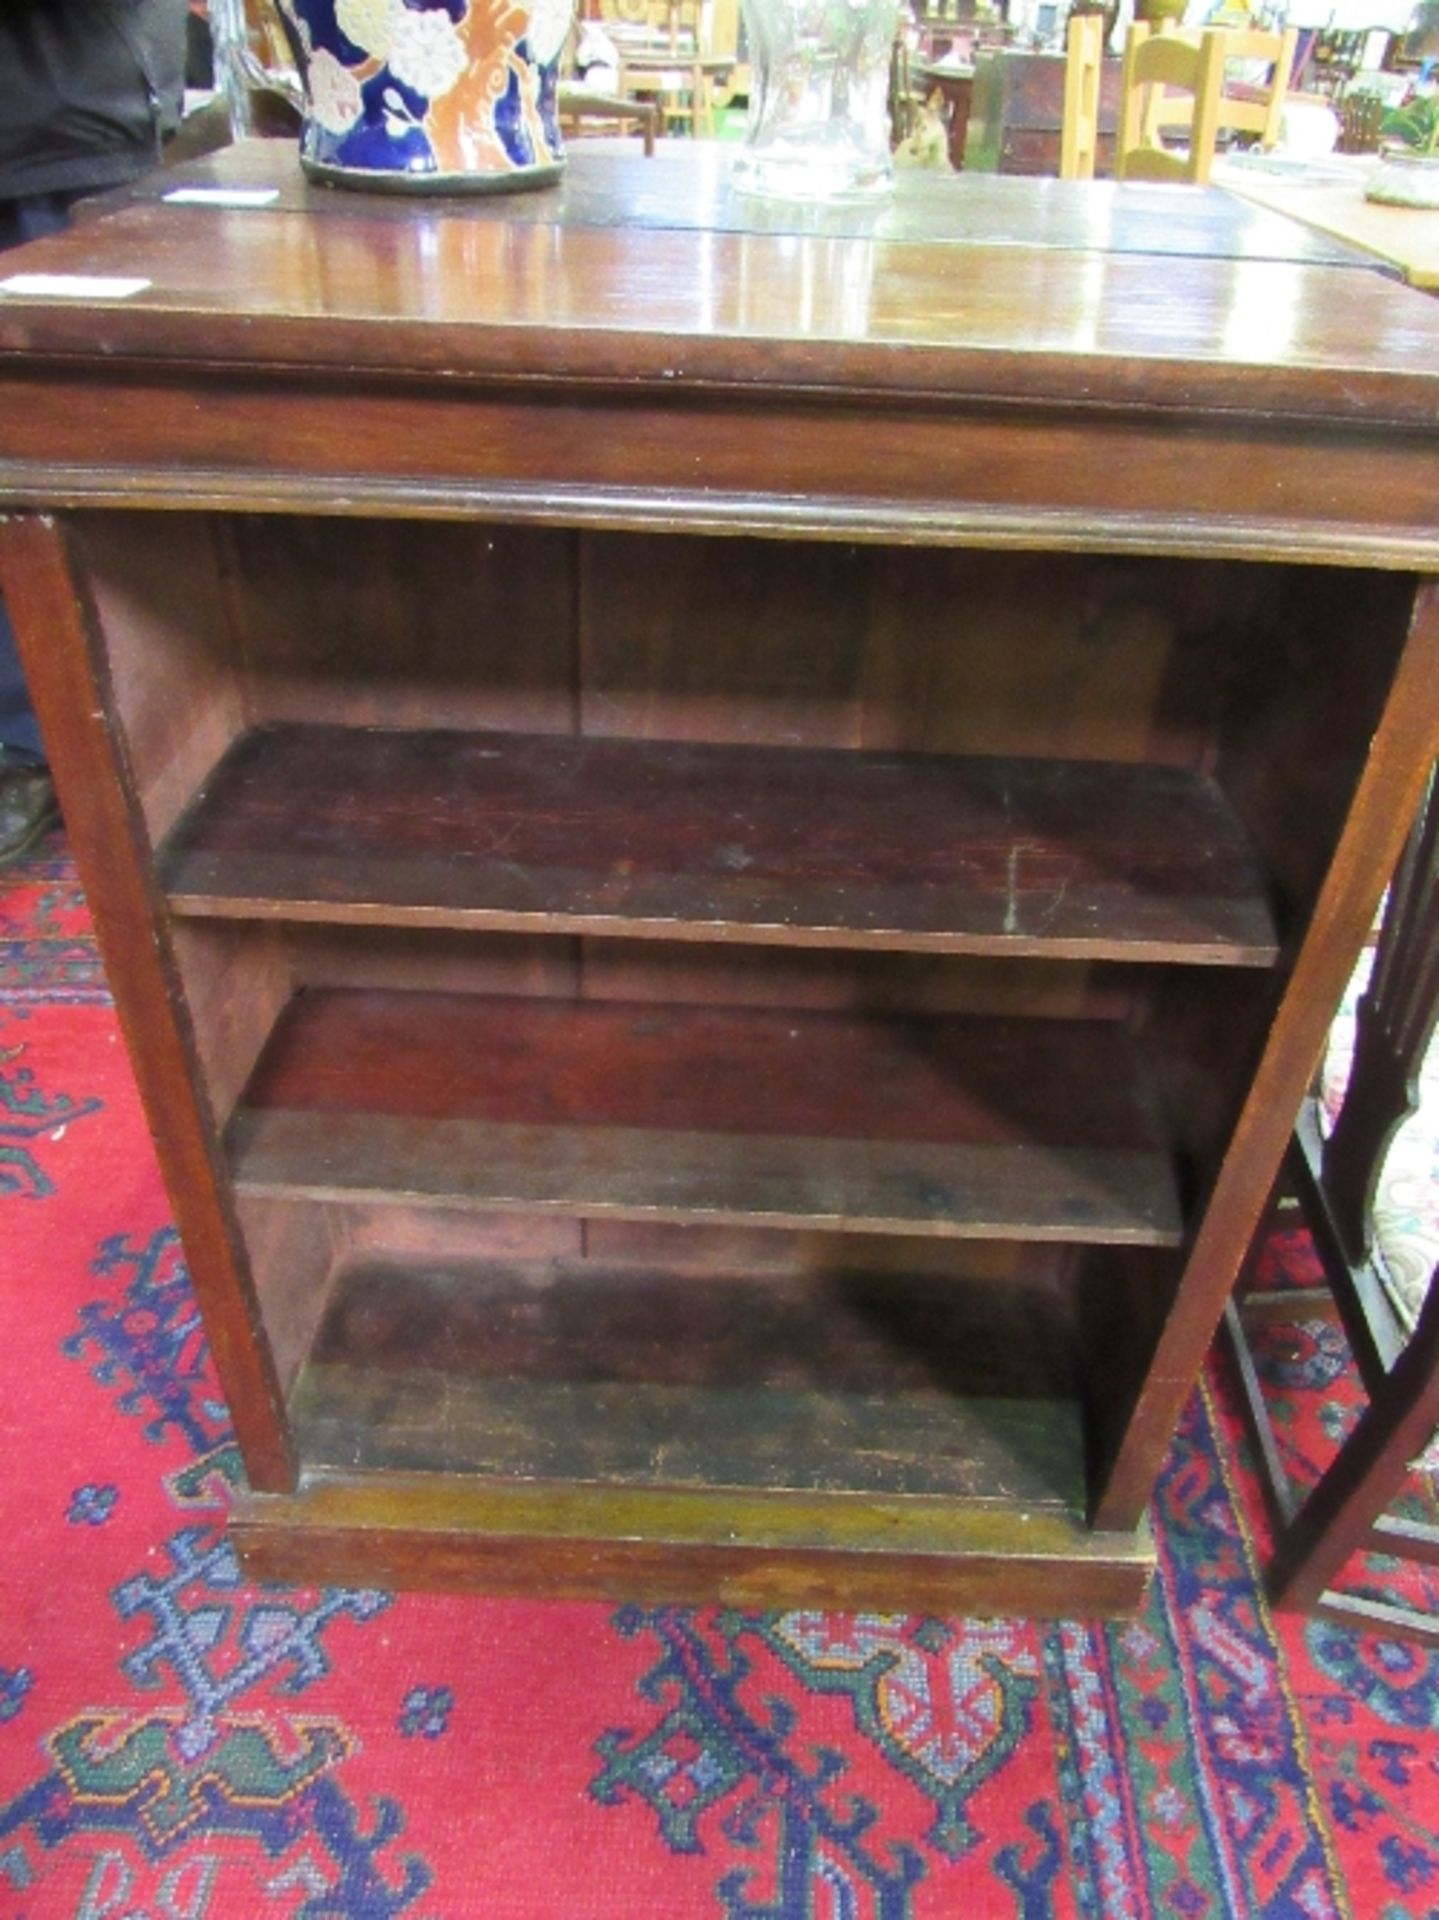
[(1392, 1319), (1155, 63), (1084, 57), (1246, 105)]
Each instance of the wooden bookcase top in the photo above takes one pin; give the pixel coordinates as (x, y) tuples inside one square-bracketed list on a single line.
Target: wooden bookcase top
[(655, 271), (642, 347)]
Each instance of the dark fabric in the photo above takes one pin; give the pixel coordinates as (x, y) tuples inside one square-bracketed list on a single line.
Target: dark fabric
[(34, 217), (88, 90), (199, 52), (19, 730), (22, 220)]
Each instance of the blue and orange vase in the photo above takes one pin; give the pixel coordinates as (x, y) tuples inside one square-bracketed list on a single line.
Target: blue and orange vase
[(430, 95)]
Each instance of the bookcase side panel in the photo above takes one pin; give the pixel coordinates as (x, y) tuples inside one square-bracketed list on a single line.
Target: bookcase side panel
[(1396, 757), (176, 676), (69, 677)]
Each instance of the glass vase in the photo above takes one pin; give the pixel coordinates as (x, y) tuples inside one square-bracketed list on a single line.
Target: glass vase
[(819, 98), (1405, 179)]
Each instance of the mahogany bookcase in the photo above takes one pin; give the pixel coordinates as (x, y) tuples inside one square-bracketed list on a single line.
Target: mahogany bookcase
[(724, 837)]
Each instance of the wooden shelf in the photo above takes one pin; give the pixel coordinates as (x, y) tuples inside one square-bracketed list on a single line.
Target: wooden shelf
[(1066, 859), (980, 1128), (885, 1385), (572, 1429)]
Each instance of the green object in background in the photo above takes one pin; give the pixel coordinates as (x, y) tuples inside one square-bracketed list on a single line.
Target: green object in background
[(1416, 124)]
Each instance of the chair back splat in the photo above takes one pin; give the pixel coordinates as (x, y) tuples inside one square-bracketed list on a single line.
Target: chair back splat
[(1154, 63), (1395, 1018), (1259, 109)]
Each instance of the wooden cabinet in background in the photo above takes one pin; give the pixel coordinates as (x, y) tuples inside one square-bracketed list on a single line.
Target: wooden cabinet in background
[(723, 850), (1016, 114)]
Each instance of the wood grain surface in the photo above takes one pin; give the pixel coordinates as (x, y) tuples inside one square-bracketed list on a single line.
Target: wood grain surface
[(597, 370), (980, 279), (570, 1372), (723, 1115), (1054, 859), (701, 1546), (1337, 209)]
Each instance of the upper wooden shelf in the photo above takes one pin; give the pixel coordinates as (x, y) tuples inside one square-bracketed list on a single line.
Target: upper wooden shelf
[(812, 847), (962, 1128)]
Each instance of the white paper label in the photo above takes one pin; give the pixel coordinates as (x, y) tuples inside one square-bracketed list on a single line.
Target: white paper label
[(222, 197), (72, 286)]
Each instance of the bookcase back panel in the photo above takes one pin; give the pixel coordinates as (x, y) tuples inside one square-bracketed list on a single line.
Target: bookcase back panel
[(378, 623), (1305, 696)]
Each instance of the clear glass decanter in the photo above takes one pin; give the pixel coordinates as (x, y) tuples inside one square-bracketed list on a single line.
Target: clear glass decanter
[(819, 99)]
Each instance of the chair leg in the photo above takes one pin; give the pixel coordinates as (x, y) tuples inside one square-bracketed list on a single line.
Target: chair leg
[(1336, 1181), (1374, 1616), (1368, 1472), (1264, 1231), (1274, 1482)]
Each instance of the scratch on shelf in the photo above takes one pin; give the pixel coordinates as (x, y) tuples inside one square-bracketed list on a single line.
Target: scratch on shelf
[(1011, 905)]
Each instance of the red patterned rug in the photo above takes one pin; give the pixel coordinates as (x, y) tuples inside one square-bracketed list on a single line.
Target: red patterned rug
[(175, 1743)]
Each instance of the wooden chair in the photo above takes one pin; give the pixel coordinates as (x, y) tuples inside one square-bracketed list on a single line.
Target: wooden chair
[(673, 63), (1335, 1180), (1084, 57), (723, 40), (1259, 109), (1246, 106), (583, 112), (1154, 62)]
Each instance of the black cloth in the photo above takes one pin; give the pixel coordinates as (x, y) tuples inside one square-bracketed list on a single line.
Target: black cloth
[(88, 90), (22, 220)]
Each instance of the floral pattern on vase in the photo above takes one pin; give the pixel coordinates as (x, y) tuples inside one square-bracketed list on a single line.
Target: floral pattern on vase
[(437, 95)]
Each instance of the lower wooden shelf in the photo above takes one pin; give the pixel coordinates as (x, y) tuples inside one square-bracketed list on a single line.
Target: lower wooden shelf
[(580, 1430), (977, 1128), (835, 1382), (827, 1430)]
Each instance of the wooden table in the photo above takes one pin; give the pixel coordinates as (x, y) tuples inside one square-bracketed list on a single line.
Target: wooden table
[(720, 1067), (579, 104), (1330, 198), (669, 74)]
